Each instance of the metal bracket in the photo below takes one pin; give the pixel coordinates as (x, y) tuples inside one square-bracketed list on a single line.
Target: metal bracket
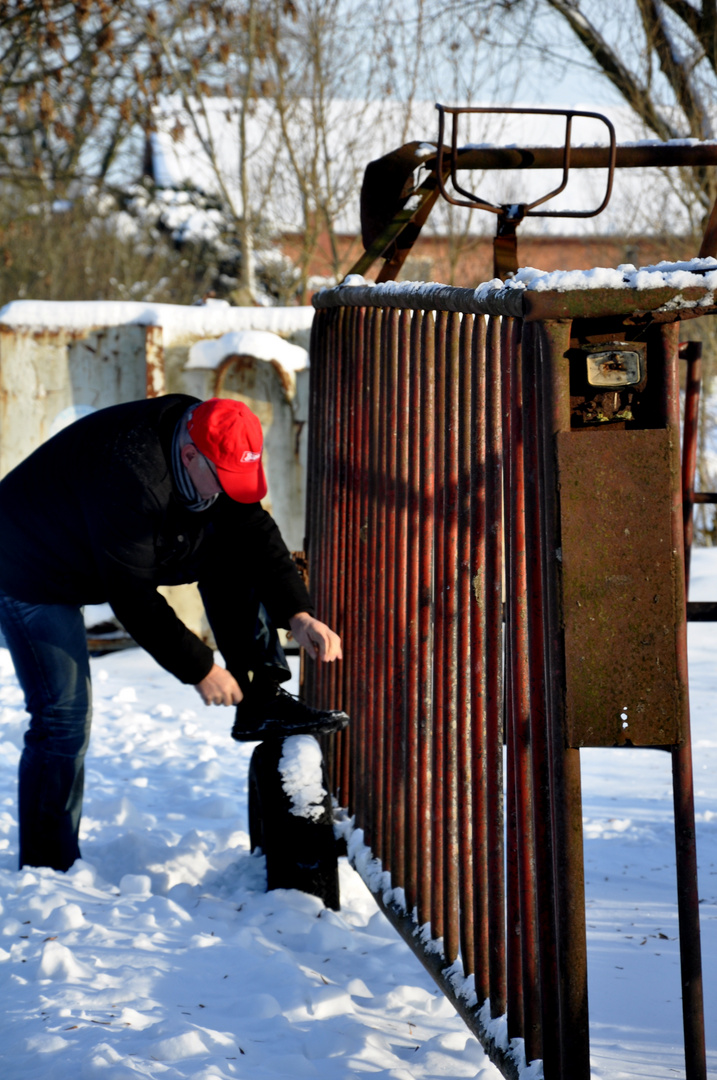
[(511, 211)]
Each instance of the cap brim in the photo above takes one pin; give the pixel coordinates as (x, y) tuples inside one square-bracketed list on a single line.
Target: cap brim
[(246, 485)]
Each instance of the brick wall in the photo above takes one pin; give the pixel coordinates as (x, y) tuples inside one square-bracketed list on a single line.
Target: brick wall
[(471, 261)]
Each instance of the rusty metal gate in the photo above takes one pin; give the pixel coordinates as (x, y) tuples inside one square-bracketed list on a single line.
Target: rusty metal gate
[(495, 527)]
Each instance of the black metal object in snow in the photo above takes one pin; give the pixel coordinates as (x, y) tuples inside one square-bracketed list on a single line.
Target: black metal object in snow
[(301, 852), (394, 207), (430, 411)]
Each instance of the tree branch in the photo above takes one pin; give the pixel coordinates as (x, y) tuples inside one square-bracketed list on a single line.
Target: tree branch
[(672, 66), (708, 35), (690, 16), (607, 60)]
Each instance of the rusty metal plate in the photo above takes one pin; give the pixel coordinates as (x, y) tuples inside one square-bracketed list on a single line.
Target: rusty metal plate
[(621, 604), (600, 303)]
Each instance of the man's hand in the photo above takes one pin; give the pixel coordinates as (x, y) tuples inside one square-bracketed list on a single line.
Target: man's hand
[(319, 640), (219, 687)]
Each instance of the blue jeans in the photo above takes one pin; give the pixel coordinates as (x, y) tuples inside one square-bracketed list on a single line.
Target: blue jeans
[(49, 650), (48, 645)]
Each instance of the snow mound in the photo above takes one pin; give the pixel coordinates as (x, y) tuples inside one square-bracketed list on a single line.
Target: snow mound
[(261, 344), (301, 776)]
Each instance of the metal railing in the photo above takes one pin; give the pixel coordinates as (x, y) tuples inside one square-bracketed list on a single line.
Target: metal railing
[(395, 205), (441, 429)]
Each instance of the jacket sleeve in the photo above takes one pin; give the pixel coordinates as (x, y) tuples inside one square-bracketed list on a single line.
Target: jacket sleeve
[(123, 540), (266, 557), (149, 619)]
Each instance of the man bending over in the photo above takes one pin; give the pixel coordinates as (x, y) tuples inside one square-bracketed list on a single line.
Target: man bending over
[(157, 492)]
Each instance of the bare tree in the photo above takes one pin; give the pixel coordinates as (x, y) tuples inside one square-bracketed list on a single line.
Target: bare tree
[(83, 83), (660, 56), (76, 79), (223, 51), (328, 64)]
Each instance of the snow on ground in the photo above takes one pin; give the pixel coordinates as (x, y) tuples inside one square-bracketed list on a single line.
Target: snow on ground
[(633, 965), (159, 955)]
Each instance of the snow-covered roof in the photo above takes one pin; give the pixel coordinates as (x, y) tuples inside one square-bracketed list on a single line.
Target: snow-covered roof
[(261, 344), (643, 200), (179, 323)]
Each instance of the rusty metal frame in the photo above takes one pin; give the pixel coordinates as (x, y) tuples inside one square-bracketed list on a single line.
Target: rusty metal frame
[(430, 412), (474, 202), (393, 214)]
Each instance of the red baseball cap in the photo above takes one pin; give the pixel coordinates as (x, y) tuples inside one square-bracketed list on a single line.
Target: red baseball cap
[(229, 434)]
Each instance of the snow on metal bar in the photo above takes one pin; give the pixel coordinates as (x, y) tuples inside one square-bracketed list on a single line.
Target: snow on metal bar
[(493, 298), (691, 283)]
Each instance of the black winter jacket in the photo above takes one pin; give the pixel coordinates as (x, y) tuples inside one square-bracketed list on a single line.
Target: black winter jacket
[(93, 515)]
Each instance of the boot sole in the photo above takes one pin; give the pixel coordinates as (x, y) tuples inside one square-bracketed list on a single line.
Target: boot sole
[(276, 730)]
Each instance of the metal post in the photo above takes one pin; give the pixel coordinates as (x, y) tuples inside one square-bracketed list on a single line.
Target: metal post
[(520, 736), (439, 641), (685, 847), (691, 351), (481, 585), (542, 779), (494, 671), (389, 579), (402, 660), (565, 762), (425, 660), (412, 645), (516, 1025), (449, 583), (467, 421)]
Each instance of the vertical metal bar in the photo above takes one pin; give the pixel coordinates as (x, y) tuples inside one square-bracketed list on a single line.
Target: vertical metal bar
[(520, 701), (425, 658), (542, 813), (333, 509), (316, 537), (464, 762), (511, 448), (353, 675), (341, 675), (412, 643), (321, 541), (318, 335), (688, 912), (388, 642), (352, 526), (401, 660), (339, 672), (565, 762), (449, 585), (494, 670), (512, 886), (439, 639), (692, 352), (481, 643), (338, 497), (358, 651), (380, 587), (685, 847), (373, 623)]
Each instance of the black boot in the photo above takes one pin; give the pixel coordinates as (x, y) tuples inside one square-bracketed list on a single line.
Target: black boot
[(278, 714)]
